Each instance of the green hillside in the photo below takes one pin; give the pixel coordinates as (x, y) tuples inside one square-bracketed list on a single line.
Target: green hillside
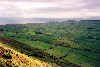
[(68, 44)]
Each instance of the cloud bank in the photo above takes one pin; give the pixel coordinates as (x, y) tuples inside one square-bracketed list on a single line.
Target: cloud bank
[(50, 8)]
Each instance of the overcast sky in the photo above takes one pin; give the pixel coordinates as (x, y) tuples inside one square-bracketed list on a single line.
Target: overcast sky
[(50, 8)]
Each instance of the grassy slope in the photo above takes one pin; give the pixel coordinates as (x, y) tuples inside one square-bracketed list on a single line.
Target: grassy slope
[(12, 58)]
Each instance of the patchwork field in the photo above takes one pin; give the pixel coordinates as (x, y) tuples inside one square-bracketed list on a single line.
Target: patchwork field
[(68, 44)]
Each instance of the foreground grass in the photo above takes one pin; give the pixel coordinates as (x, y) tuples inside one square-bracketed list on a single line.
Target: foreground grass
[(12, 58)]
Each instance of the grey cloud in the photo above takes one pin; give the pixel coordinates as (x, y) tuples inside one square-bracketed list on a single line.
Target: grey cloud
[(88, 4), (91, 4), (56, 9), (49, 10), (11, 9), (31, 0)]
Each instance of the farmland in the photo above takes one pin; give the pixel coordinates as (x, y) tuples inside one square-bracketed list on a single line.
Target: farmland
[(68, 44)]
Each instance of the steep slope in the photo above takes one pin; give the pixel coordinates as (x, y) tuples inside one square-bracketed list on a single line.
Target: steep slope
[(12, 58)]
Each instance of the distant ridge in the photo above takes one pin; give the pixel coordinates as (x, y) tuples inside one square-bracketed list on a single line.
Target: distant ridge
[(4, 21)]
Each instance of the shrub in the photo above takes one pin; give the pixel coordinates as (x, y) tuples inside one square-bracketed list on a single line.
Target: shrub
[(7, 55), (2, 64)]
